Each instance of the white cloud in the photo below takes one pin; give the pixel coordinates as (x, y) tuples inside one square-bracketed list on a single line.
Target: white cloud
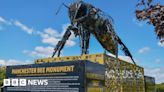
[(157, 60), (40, 51), (50, 40), (125, 58), (158, 73), (2, 20), (15, 23), (52, 32), (14, 62), (48, 36), (144, 50), (2, 62), (51, 37), (161, 44), (23, 27), (64, 27), (70, 43)]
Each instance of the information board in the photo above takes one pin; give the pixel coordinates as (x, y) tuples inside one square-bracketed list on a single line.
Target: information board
[(54, 77)]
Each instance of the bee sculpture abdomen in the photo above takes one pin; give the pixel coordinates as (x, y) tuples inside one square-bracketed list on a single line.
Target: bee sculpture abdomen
[(106, 42), (103, 35)]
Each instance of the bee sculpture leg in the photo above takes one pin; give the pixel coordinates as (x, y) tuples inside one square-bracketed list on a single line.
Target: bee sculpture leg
[(117, 41), (61, 43), (113, 35), (125, 49), (84, 41)]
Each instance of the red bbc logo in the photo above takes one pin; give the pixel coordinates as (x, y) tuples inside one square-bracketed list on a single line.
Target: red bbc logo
[(14, 82)]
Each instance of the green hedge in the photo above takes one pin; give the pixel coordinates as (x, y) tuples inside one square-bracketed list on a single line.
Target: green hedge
[(160, 87), (2, 75)]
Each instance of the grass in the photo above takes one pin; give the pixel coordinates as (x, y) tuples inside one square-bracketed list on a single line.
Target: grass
[(160, 87), (2, 75)]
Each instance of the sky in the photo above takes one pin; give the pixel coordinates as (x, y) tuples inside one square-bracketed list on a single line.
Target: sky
[(30, 29)]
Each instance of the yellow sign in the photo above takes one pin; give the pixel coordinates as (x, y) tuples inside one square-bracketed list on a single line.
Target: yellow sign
[(95, 89), (97, 58), (95, 76), (41, 70)]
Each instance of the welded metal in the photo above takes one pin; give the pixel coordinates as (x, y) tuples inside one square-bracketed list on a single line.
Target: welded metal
[(85, 20)]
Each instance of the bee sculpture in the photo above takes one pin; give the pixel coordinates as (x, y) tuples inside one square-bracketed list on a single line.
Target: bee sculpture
[(87, 20), (153, 14)]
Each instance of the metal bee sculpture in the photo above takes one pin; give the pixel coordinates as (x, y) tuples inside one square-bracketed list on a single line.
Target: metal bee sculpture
[(86, 20), (153, 14)]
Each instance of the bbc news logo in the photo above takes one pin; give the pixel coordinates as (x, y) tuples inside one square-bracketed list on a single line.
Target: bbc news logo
[(24, 82)]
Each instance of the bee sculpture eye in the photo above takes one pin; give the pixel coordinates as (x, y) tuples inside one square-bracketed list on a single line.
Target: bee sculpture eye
[(82, 11), (72, 11), (76, 6)]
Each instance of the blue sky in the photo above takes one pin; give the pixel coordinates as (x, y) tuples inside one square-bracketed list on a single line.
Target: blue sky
[(29, 29)]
